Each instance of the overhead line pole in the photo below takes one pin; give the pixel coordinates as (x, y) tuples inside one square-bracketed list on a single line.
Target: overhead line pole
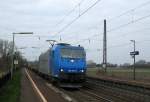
[(13, 46), (105, 48), (134, 62), (133, 59), (12, 66)]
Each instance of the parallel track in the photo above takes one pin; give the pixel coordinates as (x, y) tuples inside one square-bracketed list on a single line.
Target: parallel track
[(125, 93), (101, 90), (83, 95), (97, 91)]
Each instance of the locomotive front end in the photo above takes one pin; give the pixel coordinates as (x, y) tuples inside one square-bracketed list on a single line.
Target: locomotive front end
[(72, 65)]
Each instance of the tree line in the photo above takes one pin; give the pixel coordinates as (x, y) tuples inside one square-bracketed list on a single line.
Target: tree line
[(6, 49)]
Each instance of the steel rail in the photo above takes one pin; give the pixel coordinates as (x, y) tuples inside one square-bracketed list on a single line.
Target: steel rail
[(123, 85), (95, 95)]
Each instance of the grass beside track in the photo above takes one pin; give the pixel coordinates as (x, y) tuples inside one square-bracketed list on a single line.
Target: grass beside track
[(141, 73), (10, 92)]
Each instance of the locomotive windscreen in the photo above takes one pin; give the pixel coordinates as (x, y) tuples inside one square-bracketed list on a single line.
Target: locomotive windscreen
[(72, 53)]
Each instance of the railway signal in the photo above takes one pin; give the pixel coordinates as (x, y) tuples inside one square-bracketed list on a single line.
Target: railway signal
[(134, 53)]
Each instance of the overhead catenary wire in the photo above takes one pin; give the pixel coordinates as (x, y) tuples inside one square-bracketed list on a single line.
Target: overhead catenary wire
[(124, 34), (82, 40), (75, 19), (124, 25), (122, 14), (124, 44), (130, 10), (70, 12), (131, 22), (119, 27), (116, 28), (89, 38)]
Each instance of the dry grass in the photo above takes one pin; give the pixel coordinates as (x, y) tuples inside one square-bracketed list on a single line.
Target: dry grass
[(141, 73)]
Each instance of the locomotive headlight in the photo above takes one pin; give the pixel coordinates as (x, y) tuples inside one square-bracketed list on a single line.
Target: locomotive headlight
[(82, 70), (61, 70)]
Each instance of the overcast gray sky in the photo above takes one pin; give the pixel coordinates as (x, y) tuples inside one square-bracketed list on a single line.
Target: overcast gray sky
[(47, 17)]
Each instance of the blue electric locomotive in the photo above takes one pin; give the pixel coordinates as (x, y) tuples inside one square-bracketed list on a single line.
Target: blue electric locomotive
[(66, 64)]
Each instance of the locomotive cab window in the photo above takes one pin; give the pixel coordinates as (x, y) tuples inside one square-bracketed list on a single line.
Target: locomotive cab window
[(72, 53)]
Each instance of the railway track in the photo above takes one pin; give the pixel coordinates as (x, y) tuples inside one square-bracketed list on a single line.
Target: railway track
[(93, 94), (97, 90), (123, 92), (82, 95)]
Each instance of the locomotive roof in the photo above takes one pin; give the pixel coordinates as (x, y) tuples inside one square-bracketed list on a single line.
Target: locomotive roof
[(63, 44)]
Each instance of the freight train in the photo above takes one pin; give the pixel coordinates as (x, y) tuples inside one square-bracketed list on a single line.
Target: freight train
[(64, 64)]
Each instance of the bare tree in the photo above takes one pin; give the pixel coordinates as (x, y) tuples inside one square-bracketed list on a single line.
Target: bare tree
[(5, 55)]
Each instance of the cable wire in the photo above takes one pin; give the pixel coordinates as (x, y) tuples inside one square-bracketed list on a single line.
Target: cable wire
[(70, 12), (121, 26), (66, 26), (131, 22), (131, 10)]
